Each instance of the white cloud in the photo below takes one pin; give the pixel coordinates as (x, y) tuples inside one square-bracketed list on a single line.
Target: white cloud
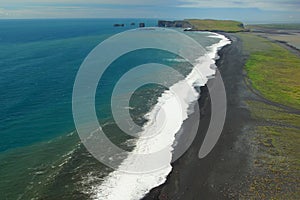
[(79, 8), (111, 2), (130, 8), (274, 5), (71, 12)]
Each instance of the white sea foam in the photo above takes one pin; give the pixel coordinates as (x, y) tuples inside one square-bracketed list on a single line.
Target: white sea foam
[(176, 60), (120, 185)]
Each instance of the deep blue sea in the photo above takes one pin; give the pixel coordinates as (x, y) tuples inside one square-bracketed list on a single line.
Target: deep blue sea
[(41, 156), (39, 60)]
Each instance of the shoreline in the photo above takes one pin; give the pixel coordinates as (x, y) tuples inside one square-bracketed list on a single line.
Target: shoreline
[(159, 177), (192, 178)]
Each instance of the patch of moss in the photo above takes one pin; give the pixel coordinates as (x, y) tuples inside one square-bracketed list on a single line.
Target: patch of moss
[(273, 114), (277, 162), (276, 26), (273, 70)]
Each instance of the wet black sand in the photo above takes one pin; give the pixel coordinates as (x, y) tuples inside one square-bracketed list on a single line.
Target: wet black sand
[(223, 173)]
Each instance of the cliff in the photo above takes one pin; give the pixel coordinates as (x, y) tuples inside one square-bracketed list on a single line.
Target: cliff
[(204, 25), (177, 24)]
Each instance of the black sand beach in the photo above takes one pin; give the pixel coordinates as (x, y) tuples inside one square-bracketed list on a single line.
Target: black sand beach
[(224, 170), (256, 156)]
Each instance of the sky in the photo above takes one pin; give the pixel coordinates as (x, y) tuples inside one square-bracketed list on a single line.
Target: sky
[(248, 11)]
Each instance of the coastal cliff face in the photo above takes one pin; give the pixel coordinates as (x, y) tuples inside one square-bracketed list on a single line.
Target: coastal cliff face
[(205, 25), (176, 24)]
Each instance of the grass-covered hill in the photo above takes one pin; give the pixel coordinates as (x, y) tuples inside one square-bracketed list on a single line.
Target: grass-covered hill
[(216, 25)]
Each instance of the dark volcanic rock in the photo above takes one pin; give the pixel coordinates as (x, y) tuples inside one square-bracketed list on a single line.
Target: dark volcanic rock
[(117, 25), (176, 24)]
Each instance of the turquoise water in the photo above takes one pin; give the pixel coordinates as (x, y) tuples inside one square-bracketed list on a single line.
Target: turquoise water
[(40, 153), (39, 60), (38, 64)]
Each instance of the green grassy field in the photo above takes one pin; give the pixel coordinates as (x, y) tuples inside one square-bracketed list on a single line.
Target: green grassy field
[(274, 72), (275, 26), (216, 25), (277, 160)]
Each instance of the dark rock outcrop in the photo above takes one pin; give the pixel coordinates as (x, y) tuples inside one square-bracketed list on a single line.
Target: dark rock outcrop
[(117, 25), (176, 24)]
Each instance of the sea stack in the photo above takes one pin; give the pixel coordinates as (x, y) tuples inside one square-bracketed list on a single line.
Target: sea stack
[(117, 25)]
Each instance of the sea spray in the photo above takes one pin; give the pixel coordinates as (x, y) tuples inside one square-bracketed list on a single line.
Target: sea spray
[(120, 185)]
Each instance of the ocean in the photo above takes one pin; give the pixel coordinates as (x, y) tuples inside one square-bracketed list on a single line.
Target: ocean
[(41, 156)]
